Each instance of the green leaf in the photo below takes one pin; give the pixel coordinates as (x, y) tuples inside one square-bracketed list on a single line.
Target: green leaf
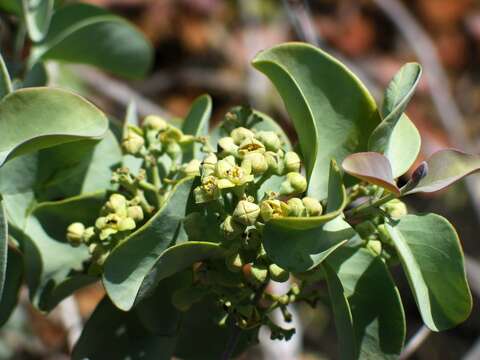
[(432, 258), (300, 250), (11, 6), (36, 76), (337, 200), (12, 284), (132, 260), (50, 260), (373, 168), (347, 343), (113, 334), (119, 47), (175, 259), (38, 118), (5, 82), (396, 98), (77, 168), (197, 123), (332, 111), (374, 302), (403, 147), (444, 168), (37, 15), (3, 245)]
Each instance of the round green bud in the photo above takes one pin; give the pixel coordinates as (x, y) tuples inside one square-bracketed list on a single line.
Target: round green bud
[(75, 233), (396, 208), (240, 134), (135, 212), (277, 273), (117, 204), (173, 150), (88, 234), (313, 206), (384, 234), (126, 223), (246, 212), (133, 141), (375, 247), (294, 184), (155, 122), (292, 161), (234, 262), (228, 146), (275, 162), (296, 207), (192, 168), (101, 222), (257, 162), (270, 139)]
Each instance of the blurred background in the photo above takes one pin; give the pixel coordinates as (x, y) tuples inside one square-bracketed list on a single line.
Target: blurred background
[(205, 46)]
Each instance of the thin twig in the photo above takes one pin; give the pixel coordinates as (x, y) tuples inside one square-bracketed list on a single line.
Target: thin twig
[(71, 320), (415, 342)]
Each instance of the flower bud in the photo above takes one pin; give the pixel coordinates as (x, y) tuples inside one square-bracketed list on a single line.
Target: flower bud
[(133, 140), (126, 223), (257, 162), (117, 204), (313, 206), (135, 212), (296, 207), (275, 163), (272, 208), (396, 208), (231, 228), (271, 140), (173, 150), (192, 168), (375, 246), (294, 184), (246, 212), (88, 234), (75, 233), (228, 146), (172, 134), (209, 164), (292, 161), (384, 235), (155, 122), (277, 273), (240, 134)]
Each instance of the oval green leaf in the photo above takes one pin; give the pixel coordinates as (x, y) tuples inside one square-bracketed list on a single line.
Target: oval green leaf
[(175, 259), (3, 245), (5, 82), (197, 123), (333, 113), (337, 200), (119, 47), (373, 168), (444, 168), (131, 261), (301, 250), (38, 118), (374, 301), (37, 15), (13, 282), (403, 146), (432, 259), (396, 98)]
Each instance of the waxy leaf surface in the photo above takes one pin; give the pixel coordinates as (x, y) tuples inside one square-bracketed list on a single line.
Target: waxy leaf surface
[(432, 259), (119, 47), (197, 123), (332, 111), (3, 246), (444, 168), (373, 168), (372, 298), (37, 118), (13, 282), (131, 261), (37, 15)]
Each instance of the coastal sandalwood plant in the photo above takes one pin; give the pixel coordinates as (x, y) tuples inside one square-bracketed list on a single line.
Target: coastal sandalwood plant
[(187, 227)]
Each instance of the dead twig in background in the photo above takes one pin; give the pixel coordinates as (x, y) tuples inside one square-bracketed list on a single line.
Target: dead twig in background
[(415, 341)]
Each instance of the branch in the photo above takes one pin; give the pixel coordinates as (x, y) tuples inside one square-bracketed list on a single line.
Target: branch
[(414, 343)]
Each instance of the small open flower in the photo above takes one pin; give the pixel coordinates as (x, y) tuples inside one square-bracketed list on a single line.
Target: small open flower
[(208, 190), (231, 175)]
